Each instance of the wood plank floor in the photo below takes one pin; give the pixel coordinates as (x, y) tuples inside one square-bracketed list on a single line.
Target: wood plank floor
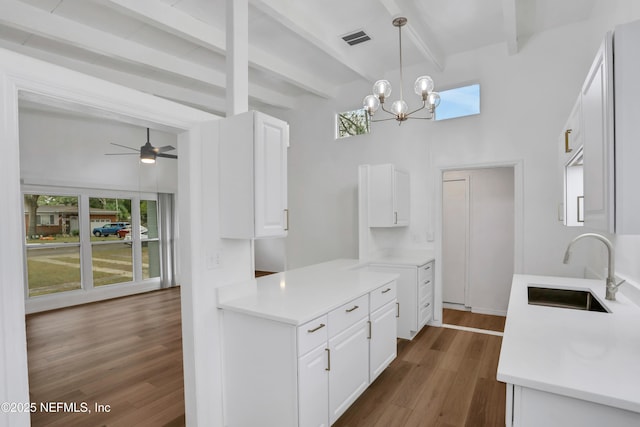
[(442, 378), (473, 320), (126, 353)]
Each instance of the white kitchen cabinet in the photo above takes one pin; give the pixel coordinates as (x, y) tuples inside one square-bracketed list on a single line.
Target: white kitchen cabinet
[(383, 348), (570, 168), (415, 295), (306, 375), (348, 367), (598, 136), (313, 388), (527, 407), (389, 196), (253, 176), (627, 111)]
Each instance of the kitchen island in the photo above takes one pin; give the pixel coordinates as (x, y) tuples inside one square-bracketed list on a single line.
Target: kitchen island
[(300, 346), (570, 367)]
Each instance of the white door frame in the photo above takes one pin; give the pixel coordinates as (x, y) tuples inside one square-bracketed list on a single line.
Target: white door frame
[(19, 73), (518, 259)]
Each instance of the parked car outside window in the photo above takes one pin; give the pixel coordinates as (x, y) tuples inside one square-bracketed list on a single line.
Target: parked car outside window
[(110, 229)]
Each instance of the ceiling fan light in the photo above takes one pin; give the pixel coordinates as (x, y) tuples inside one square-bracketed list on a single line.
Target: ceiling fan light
[(382, 89), (371, 103), (423, 86)]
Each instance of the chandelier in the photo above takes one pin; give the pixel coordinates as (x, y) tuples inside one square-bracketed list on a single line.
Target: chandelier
[(382, 89)]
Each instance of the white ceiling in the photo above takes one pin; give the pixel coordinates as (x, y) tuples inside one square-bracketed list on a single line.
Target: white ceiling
[(175, 48)]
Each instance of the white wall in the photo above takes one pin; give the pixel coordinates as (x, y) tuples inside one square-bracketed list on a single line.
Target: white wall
[(57, 148), (526, 99)]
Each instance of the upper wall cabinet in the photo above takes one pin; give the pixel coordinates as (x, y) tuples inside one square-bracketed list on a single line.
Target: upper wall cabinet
[(570, 169), (627, 123), (598, 157), (253, 176), (388, 196)]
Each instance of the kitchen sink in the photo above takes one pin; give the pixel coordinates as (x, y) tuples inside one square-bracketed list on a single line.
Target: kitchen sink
[(565, 298)]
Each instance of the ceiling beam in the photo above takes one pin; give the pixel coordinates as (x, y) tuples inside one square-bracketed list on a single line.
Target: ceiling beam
[(193, 98), (170, 19), (418, 30), (19, 15), (297, 19), (510, 25)]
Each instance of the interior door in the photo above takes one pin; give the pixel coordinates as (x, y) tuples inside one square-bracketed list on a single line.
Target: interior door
[(455, 239)]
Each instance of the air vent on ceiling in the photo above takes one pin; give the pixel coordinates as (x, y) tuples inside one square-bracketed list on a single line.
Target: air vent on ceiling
[(356, 37)]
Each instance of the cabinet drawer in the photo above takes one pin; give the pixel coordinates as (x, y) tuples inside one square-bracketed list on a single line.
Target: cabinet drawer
[(425, 272), (425, 311), (312, 334), (348, 314), (383, 295), (425, 289)]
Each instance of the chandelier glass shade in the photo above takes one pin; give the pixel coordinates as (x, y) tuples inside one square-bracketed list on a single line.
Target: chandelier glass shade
[(399, 110)]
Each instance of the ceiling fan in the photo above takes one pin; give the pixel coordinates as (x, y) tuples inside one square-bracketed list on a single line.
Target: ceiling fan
[(148, 152)]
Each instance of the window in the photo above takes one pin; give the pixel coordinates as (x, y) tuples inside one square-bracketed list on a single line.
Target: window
[(350, 123), (86, 241), (459, 102), (111, 256), (52, 238)]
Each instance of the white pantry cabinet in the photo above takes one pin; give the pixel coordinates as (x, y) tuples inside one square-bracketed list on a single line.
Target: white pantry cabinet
[(527, 407), (280, 374), (389, 196), (253, 176), (415, 295)]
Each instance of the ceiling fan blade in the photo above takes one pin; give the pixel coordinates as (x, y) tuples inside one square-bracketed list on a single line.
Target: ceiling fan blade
[(163, 149), (168, 156), (120, 154), (124, 146)]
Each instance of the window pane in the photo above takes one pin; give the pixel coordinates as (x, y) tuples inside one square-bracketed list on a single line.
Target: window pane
[(51, 219), (149, 237), (459, 102), (108, 216), (150, 259), (111, 263), (51, 270), (350, 123)]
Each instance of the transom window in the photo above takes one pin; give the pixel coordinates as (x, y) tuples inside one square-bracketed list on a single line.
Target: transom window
[(459, 102)]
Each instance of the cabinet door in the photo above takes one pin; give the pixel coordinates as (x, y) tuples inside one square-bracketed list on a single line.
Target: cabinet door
[(407, 295), (271, 142), (313, 388), (401, 197), (349, 367), (382, 344), (597, 111)]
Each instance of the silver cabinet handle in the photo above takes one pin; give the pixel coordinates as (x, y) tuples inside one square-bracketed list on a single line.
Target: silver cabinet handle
[(426, 282), (349, 310), (386, 290), (398, 306), (322, 325), (286, 226), (395, 219), (427, 267), (428, 304), (369, 322), (328, 368)]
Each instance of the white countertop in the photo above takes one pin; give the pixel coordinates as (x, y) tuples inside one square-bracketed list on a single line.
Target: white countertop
[(300, 295), (586, 355)]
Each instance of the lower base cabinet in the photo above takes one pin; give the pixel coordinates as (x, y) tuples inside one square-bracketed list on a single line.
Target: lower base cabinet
[(527, 407), (277, 374)]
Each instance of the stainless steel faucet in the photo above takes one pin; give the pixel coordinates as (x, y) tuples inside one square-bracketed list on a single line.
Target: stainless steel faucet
[(612, 286)]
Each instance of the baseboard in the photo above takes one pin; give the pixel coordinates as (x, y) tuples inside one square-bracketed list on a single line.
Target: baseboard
[(452, 306)]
